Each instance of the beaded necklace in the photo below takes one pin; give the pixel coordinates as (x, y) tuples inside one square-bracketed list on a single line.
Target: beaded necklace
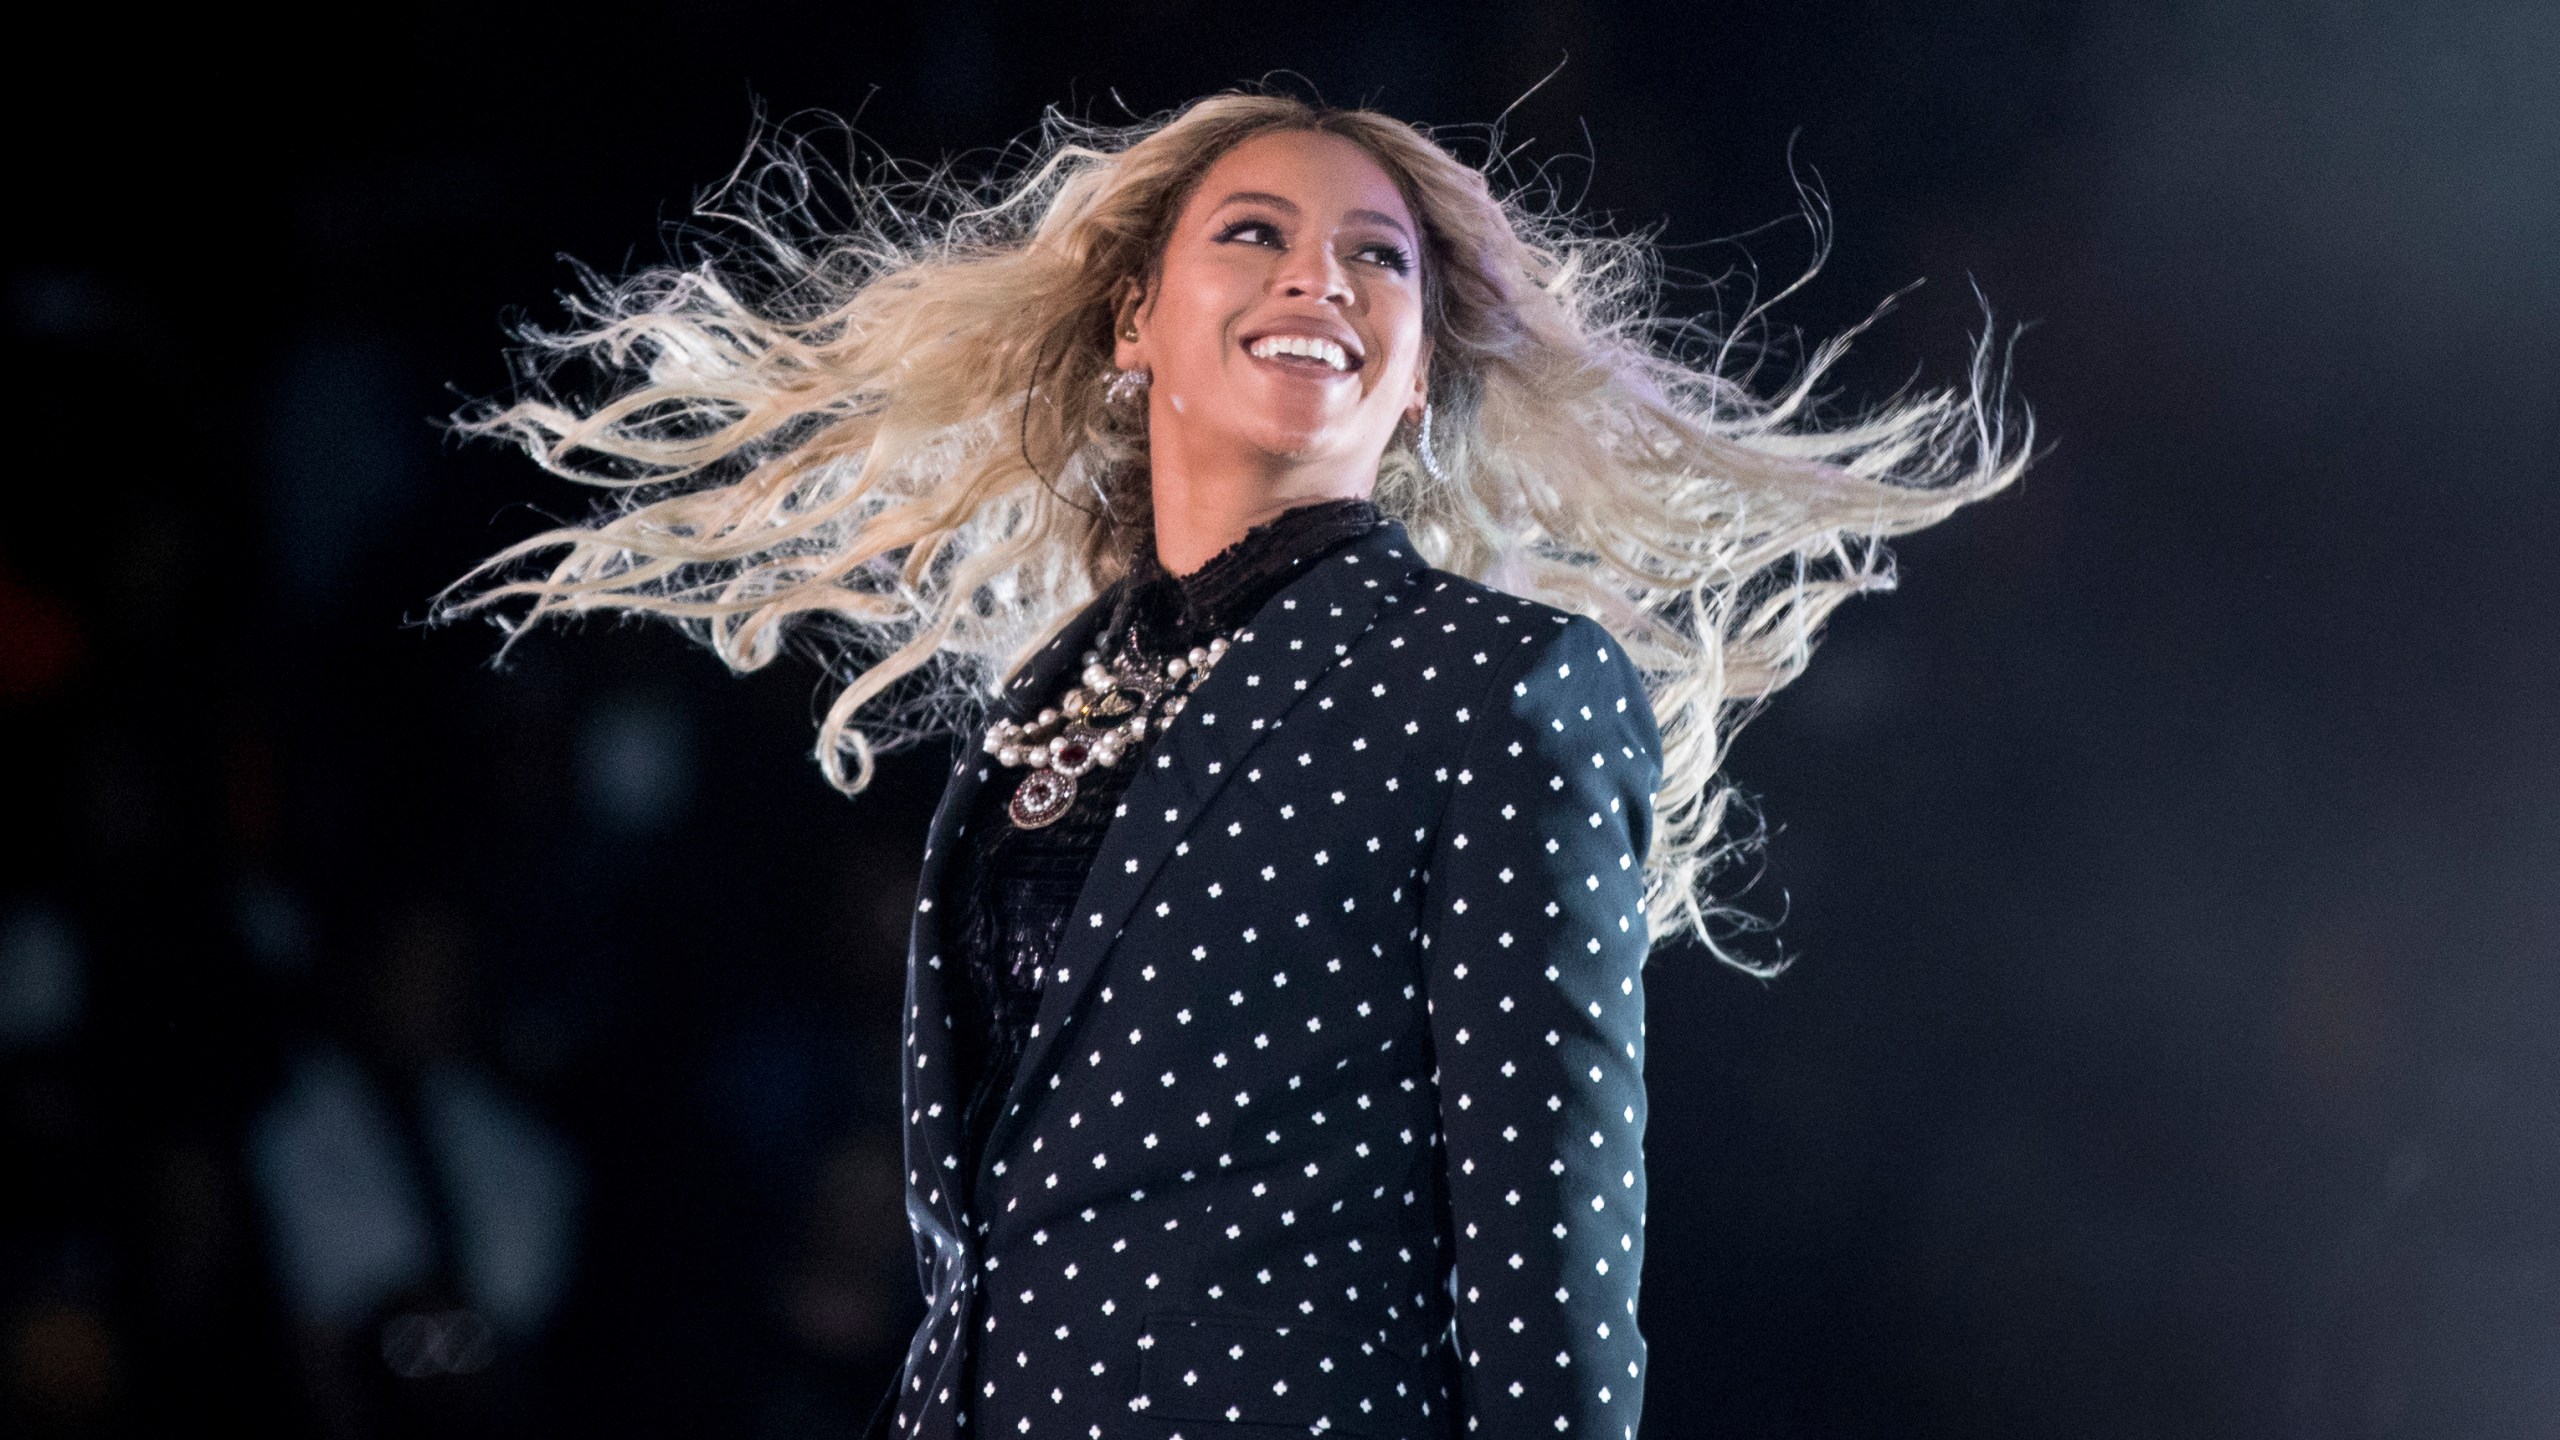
[(1110, 713)]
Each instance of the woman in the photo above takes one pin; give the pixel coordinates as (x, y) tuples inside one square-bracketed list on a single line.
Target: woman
[(1274, 1033)]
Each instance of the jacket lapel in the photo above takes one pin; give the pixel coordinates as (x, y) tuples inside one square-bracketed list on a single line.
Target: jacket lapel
[(1300, 635), (935, 1104)]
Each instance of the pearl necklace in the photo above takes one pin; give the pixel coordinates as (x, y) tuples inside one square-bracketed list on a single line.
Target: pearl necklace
[(1111, 713)]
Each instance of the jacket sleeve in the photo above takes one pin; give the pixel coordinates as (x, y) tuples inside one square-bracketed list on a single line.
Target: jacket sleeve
[(1535, 946)]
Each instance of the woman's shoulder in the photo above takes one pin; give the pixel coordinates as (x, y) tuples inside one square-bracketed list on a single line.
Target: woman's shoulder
[(1531, 655), (1447, 611), (1440, 602)]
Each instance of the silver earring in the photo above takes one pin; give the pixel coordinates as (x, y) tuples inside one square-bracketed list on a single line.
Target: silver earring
[(1127, 385), (1422, 448)]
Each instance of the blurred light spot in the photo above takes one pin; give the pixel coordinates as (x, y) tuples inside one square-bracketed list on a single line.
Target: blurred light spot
[(59, 304), (635, 764), (350, 1219), (272, 925), (516, 1192), (42, 985), (349, 1227)]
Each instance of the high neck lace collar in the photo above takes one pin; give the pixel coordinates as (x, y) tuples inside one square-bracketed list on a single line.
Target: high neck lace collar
[(1167, 611)]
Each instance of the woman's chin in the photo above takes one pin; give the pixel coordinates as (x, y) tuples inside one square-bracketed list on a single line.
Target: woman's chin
[(1298, 438)]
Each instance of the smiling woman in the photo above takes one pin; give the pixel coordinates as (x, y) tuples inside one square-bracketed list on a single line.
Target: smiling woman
[(1274, 1028), (1282, 330)]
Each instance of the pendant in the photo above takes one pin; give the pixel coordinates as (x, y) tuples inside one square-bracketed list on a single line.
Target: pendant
[(1041, 798)]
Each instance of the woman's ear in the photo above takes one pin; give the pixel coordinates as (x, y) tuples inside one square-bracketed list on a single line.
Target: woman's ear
[(1128, 343), (1421, 383)]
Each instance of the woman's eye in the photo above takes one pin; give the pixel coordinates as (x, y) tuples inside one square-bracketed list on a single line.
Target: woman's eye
[(1390, 257), (1250, 232)]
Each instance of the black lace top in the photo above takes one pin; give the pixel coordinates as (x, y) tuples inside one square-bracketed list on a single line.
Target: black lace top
[(1020, 885)]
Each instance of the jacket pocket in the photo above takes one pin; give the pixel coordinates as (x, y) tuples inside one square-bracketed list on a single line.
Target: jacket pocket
[(1231, 1371)]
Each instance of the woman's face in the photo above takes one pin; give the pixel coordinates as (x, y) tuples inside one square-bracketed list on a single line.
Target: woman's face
[(1285, 320)]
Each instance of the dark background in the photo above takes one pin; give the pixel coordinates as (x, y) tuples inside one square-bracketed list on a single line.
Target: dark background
[(2171, 863)]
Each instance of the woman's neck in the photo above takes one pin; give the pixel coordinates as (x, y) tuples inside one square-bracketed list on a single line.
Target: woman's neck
[(1200, 512)]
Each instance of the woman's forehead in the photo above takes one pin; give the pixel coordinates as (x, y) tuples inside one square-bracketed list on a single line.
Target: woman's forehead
[(1323, 175)]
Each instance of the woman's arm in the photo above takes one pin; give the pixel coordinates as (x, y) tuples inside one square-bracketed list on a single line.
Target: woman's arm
[(1535, 932)]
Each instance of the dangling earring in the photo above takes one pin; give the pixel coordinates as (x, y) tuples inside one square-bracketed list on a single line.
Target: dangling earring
[(1422, 448), (1126, 385)]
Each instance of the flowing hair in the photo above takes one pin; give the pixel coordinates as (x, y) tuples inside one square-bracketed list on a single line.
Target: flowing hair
[(878, 418)]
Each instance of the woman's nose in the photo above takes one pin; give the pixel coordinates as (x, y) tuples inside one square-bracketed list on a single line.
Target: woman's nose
[(1313, 272)]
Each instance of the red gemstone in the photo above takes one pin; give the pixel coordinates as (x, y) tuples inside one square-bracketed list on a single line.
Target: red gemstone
[(1042, 797), (1073, 754)]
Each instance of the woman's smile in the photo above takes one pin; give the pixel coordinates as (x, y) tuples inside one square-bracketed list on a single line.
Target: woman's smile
[(1311, 355)]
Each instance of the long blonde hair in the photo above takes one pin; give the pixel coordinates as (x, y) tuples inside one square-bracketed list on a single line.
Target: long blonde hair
[(893, 423)]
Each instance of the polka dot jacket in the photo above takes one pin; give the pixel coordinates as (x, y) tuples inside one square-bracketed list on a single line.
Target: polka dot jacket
[(1332, 1118)]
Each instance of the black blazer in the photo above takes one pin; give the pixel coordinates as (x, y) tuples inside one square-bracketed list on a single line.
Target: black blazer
[(1333, 1117)]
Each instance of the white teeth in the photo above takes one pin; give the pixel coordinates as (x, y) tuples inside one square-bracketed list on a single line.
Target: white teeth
[(1307, 346)]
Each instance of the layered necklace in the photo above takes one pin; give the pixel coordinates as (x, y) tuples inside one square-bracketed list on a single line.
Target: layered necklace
[(1109, 714), (1123, 698)]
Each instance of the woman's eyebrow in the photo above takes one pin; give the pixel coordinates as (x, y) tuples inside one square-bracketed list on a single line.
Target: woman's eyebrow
[(1260, 197), (1380, 217)]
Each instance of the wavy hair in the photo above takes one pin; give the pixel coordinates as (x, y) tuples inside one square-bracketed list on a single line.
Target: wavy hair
[(875, 414)]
